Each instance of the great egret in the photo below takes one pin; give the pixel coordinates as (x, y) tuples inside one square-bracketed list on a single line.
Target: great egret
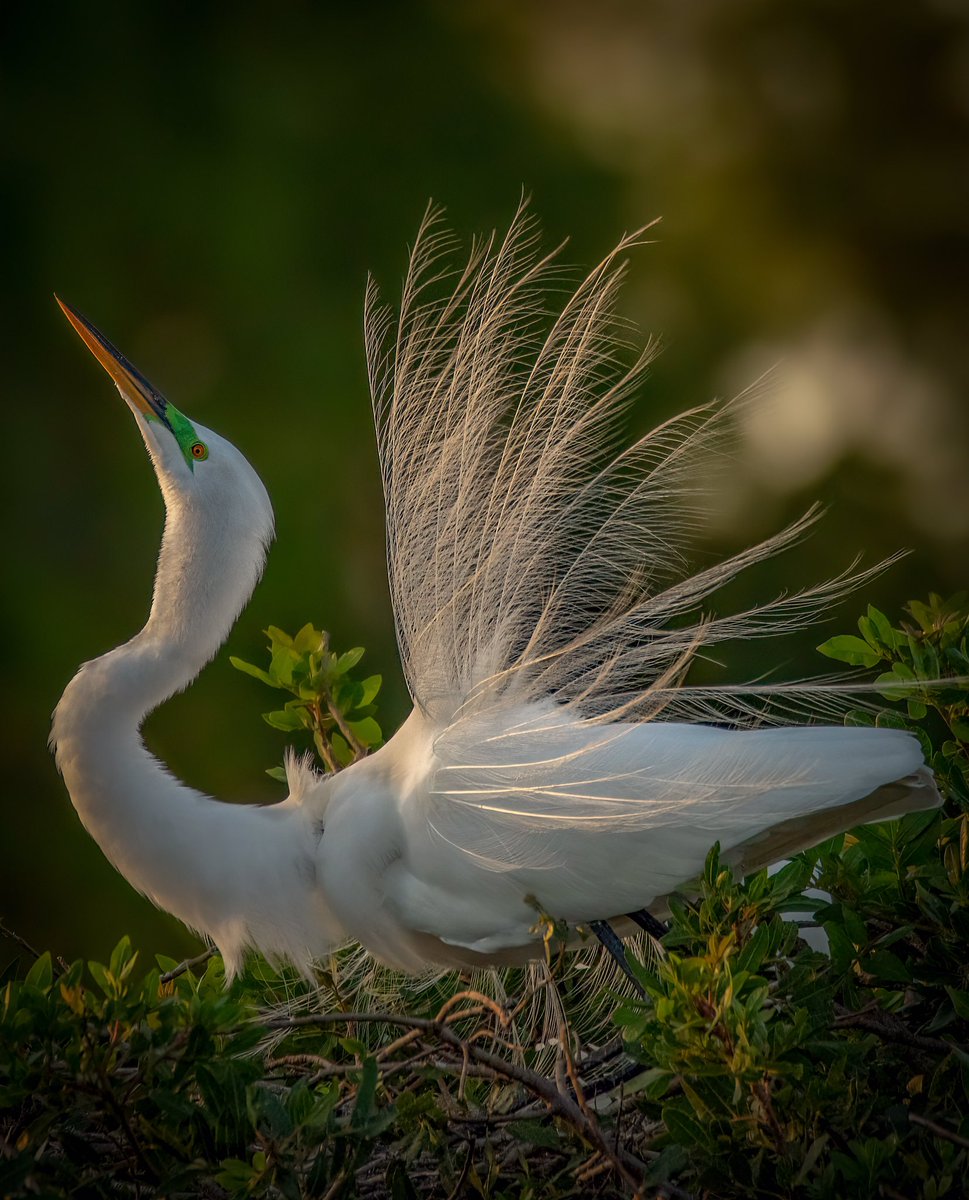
[(554, 759)]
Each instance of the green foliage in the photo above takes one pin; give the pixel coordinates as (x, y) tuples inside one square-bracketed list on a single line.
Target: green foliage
[(170, 1083), (925, 669), (778, 1070), (329, 703), (769, 1069), (115, 1084)]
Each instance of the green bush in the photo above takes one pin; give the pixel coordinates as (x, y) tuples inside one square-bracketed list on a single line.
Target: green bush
[(760, 1067)]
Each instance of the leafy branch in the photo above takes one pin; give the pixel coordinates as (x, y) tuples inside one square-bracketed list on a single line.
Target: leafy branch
[(336, 709)]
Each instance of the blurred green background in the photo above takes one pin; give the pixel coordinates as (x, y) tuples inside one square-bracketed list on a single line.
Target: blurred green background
[(211, 183)]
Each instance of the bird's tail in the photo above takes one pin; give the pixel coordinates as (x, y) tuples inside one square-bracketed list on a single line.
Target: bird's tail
[(914, 793)]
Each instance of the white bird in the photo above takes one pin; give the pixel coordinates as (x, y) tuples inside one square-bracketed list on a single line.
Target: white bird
[(554, 758)]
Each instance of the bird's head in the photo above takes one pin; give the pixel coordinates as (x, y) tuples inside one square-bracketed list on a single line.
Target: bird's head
[(220, 518), (188, 458)]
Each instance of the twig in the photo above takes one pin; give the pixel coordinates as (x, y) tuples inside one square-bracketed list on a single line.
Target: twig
[(305, 1060), (187, 965), (939, 1130), (120, 1112), (889, 1028), (358, 748), (335, 1187), (5, 931), (456, 1190), (630, 1168), (319, 740), (479, 998)]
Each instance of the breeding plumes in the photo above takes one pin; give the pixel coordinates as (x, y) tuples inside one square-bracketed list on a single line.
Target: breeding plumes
[(556, 760)]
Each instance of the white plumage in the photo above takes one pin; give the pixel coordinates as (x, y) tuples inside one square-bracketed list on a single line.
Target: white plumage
[(555, 760)]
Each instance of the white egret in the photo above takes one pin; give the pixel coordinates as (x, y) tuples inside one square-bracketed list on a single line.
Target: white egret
[(554, 758)]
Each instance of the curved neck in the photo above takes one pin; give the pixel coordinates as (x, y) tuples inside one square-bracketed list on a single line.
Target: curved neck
[(218, 867), (206, 572)]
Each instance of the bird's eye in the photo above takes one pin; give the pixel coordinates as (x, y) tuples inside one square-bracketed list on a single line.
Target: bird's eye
[(199, 451)]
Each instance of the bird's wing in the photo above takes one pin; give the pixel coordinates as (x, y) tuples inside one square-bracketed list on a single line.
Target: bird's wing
[(527, 558), (607, 814)]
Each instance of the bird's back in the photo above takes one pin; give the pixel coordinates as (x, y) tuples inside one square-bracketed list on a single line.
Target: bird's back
[(557, 760)]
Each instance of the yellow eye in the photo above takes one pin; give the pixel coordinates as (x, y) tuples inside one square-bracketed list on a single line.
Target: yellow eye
[(199, 451)]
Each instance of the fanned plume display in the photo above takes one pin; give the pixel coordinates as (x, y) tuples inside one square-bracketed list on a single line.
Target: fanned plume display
[(529, 557)]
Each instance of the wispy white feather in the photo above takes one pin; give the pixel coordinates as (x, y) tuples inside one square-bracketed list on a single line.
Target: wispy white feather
[(528, 558)]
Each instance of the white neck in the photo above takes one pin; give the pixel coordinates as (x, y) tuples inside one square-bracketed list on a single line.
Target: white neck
[(226, 870)]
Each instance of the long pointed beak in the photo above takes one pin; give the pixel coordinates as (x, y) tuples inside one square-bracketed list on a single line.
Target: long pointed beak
[(135, 388)]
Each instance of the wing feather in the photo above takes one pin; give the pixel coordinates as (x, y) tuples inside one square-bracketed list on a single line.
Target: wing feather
[(545, 613), (591, 817)]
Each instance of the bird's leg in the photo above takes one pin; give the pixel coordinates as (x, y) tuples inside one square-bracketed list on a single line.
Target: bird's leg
[(645, 920), (608, 937)]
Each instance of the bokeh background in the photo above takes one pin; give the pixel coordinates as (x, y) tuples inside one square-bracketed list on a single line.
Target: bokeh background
[(211, 183)]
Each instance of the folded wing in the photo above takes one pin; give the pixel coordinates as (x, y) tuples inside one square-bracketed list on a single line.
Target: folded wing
[(595, 819)]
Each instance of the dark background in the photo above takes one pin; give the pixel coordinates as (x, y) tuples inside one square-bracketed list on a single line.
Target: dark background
[(211, 183)]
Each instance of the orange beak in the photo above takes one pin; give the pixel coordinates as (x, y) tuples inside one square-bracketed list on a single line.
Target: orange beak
[(130, 382)]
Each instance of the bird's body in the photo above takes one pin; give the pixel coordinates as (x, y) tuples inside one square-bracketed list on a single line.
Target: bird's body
[(553, 763), (459, 877)]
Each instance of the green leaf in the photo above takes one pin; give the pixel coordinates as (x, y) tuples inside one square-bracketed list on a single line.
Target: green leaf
[(960, 727), (888, 967), (102, 977), (923, 614), (654, 1083), (683, 1126), (814, 1153), (960, 1001), (279, 637), (886, 635), (711, 866), (284, 665), (287, 720), (924, 658), (756, 949), (888, 682), (398, 1181), (367, 732), (854, 926), (958, 658), (255, 672), (890, 720), (346, 662), (792, 878), (369, 689), (849, 649), (840, 946), (122, 958), (309, 640), (341, 751), (870, 634), (670, 1162), (278, 773), (41, 973), (346, 694)]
